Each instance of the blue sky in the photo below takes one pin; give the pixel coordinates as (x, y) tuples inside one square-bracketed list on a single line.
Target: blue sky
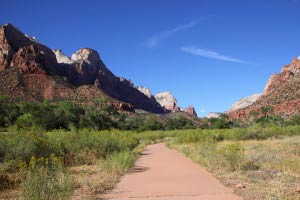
[(208, 53)]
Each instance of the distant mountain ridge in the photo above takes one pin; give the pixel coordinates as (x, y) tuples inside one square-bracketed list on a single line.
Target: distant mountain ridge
[(168, 101)]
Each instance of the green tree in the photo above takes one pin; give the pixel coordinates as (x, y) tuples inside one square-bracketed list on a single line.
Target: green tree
[(68, 114), (152, 124), (8, 112), (179, 123), (267, 110), (295, 120)]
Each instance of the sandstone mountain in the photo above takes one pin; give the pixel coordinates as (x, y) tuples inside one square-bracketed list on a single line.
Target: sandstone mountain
[(213, 115), (244, 102), (190, 111), (31, 71), (282, 92), (168, 102)]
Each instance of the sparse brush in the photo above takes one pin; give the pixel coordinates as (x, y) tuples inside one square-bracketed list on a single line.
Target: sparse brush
[(118, 163), (233, 156), (45, 179)]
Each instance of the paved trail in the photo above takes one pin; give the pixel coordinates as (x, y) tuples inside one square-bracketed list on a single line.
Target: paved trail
[(165, 174)]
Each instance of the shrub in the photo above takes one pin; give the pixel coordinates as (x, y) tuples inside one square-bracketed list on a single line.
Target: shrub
[(295, 120), (249, 165), (233, 155), (19, 146), (118, 162), (25, 121), (45, 179)]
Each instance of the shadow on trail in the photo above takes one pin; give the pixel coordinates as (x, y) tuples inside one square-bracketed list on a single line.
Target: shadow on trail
[(138, 169)]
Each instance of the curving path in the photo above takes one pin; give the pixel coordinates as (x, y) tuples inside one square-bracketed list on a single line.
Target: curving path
[(165, 174)]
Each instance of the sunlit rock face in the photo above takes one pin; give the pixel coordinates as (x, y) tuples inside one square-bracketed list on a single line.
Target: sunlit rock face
[(145, 91), (190, 111), (244, 102), (213, 115), (61, 57), (168, 101)]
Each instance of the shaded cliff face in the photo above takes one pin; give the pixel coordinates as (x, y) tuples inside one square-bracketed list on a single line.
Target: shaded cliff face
[(16, 48), (282, 92), (39, 73)]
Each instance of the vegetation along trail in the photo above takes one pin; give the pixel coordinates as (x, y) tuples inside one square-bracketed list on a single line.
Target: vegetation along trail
[(163, 173)]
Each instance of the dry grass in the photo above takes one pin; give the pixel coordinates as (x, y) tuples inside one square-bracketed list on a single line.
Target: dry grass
[(91, 182), (270, 169)]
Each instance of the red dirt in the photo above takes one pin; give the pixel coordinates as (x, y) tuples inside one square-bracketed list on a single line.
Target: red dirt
[(164, 174)]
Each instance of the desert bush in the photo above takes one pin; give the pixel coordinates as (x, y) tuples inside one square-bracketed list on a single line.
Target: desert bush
[(249, 165), (79, 147), (45, 179), (233, 156), (25, 121), (119, 162), (294, 120), (19, 146)]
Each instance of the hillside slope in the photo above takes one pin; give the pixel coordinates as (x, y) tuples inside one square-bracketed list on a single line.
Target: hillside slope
[(282, 93)]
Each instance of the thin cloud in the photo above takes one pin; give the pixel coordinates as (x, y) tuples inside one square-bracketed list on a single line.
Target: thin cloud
[(209, 54), (202, 111), (156, 39)]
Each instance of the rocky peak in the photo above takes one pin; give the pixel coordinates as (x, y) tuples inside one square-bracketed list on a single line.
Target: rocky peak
[(213, 115), (145, 91), (293, 67), (87, 55), (33, 39), (245, 102), (168, 101), (190, 111), (287, 72), (61, 57), (12, 40)]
